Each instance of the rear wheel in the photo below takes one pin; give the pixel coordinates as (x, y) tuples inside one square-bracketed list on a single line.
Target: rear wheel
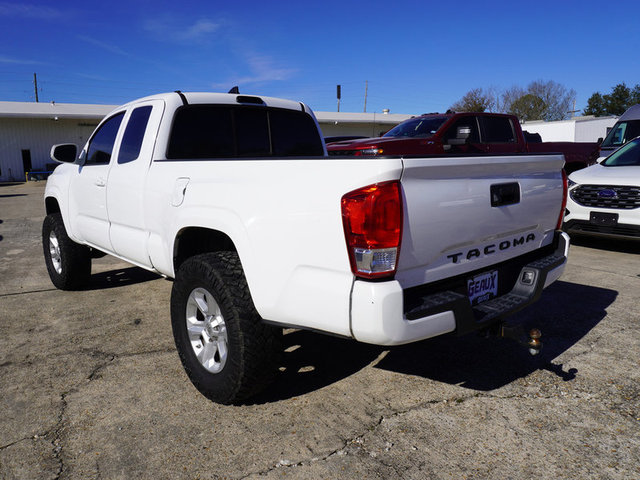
[(228, 352), (68, 263)]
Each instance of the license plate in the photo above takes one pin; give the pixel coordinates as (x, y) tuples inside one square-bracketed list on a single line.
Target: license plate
[(603, 219), (482, 287)]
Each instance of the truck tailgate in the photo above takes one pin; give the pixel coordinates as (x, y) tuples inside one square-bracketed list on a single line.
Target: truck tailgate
[(466, 214)]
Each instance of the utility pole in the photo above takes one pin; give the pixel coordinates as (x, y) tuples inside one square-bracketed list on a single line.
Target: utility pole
[(574, 111), (366, 89), (338, 94), (35, 86)]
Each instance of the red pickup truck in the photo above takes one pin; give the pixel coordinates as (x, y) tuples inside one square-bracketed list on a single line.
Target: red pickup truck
[(464, 133)]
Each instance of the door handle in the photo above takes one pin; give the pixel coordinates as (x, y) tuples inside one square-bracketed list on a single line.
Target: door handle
[(100, 182)]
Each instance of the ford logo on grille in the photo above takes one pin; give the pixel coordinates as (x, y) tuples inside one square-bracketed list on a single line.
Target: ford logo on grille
[(608, 193)]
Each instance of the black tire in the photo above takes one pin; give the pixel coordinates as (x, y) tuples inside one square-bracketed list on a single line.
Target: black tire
[(68, 263), (238, 352)]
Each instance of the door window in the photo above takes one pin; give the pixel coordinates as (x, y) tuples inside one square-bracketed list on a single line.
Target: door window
[(101, 145), (469, 122)]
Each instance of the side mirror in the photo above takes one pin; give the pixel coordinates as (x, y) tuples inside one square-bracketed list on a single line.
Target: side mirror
[(64, 153), (462, 136)]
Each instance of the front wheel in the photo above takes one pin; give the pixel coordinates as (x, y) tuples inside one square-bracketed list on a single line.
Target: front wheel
[(68, 263), (228, 352)]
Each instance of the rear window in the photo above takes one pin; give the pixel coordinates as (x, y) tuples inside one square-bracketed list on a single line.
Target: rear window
[(621, 133), (221, 131)]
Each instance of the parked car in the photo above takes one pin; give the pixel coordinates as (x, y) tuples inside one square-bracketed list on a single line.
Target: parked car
[(604, 199), (626, 128), (465, 133)]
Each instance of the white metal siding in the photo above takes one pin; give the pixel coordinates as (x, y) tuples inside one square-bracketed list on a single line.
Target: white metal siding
[(591, 130), (36, 135)]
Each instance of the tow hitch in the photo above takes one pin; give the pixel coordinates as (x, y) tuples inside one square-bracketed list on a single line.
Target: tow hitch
[(530, 340)]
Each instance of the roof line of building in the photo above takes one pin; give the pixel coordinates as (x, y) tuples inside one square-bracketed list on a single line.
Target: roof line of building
[(55, 110)]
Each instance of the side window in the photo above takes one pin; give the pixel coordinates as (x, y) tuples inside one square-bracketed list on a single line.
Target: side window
[(201, 131), (497, 130), (101, 145), (469, 122), (134, 134)]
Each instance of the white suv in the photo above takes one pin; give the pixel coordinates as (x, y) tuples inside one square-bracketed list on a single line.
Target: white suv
[(604, 199)]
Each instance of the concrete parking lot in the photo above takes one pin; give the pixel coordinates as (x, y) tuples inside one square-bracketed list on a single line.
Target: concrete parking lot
[(91, 385)]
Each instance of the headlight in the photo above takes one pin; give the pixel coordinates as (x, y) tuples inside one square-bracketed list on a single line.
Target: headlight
[(371, 151)]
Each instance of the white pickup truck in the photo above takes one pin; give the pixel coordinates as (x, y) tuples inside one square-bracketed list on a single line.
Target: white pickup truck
[(234, 197)]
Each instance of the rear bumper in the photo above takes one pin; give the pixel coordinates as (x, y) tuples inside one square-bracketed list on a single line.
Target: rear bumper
[(383, 314)]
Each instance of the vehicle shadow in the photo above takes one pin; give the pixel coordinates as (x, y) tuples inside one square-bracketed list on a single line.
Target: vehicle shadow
[(14, 195), (121, 277), (565, 313), (312, 361), (609, 244)]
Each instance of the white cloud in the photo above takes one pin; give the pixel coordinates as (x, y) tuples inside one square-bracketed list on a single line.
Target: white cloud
[(105, 46), (29, 11), (5, 59), (262, 69), (170, 29), (201, 28)]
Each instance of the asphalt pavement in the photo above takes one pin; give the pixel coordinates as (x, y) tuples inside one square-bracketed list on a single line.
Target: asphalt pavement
[(91, 385)]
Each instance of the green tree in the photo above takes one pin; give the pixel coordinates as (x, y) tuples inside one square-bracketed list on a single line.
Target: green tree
[(476, 100), (614, 103), (595, 105), (618, 100), (528, 107), (635, 96)]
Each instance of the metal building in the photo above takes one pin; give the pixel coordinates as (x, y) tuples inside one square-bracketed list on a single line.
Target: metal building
[(28, 130), (577, 129)]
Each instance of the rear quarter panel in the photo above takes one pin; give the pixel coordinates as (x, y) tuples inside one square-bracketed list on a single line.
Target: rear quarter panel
[(284, 217)]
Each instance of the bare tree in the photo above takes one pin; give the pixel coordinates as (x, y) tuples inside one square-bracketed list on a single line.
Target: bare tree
[(509, 96), (557, 99), (541, 100), (476, 100)]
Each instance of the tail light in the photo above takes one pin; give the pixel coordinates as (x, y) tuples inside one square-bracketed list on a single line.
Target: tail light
[(372, 219), (565, 189)]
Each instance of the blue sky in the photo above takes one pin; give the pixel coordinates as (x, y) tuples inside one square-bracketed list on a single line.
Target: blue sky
[(416, 56)]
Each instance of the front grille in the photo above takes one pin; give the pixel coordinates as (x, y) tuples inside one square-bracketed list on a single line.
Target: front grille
[(341, 153), (607, 196)]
